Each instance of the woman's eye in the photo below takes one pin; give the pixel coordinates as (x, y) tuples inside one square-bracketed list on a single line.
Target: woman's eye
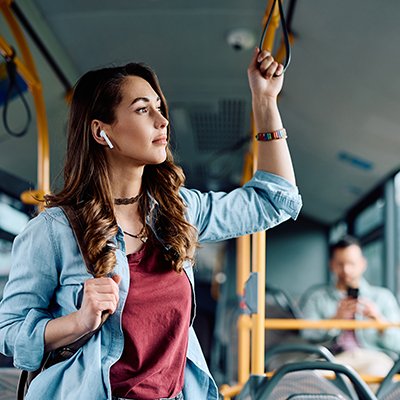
[(142, 110)]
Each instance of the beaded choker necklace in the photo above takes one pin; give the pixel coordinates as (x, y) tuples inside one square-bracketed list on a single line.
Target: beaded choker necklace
[(127, 200)]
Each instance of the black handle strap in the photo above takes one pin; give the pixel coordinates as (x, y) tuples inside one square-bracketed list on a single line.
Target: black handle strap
[(284, 31), (13, 85)]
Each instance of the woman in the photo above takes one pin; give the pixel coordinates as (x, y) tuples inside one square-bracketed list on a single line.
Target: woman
[(141, 230)]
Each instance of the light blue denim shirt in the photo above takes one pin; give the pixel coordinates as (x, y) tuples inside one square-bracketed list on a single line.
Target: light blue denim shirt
[(322, 303), (46, 282)]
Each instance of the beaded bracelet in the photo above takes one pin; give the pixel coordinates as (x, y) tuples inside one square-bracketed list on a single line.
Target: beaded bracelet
[(267, 136)]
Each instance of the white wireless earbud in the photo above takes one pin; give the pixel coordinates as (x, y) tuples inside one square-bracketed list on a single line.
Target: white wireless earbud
[(108, 141)]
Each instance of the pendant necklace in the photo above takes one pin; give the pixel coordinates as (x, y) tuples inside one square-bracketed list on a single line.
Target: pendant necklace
[(131, 200), (141, 235)]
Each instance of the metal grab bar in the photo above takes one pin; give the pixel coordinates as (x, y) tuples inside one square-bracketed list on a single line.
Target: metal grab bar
[(289, 324)]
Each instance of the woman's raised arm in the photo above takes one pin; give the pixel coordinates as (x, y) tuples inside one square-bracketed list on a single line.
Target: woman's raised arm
[(266, 79)]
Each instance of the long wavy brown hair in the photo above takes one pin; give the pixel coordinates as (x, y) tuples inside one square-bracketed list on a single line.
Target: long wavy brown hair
[(86, 175)]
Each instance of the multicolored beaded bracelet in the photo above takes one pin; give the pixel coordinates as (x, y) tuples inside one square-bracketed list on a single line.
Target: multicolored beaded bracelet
[(267, 136)]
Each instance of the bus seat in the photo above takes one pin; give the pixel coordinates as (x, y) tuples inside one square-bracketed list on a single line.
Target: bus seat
[(302, 380), (389, 389), (278, 304)]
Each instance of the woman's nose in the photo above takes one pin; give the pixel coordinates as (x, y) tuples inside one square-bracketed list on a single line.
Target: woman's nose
[(161, 121)]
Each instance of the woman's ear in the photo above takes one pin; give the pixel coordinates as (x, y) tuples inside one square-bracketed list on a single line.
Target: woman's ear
[(99, 133)]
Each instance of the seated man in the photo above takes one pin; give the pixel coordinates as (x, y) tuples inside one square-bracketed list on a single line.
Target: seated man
[(352, 297)]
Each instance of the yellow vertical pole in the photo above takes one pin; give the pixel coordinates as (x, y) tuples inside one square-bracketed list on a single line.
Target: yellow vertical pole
[(243, 262), (242, 274), (258, 266), (259, 243), (258, 330), (268, 43), (243, 349), (43, 172)]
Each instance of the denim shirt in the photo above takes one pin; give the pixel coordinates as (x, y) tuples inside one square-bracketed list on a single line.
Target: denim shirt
[(47, 275), (322, 302)]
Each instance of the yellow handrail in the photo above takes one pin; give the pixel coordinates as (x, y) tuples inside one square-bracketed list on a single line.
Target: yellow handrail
[(275, 323), (269, 39), (243, 271), (323, 324), (229, 391), (26, 68), (258, 258), (259, 240), (242, 274)]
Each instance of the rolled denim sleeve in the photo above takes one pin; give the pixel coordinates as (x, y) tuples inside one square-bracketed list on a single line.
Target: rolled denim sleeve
[(263, 202), (24, 309)]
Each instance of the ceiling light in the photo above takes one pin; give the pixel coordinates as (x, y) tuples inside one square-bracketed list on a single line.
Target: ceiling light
[(241, 39)]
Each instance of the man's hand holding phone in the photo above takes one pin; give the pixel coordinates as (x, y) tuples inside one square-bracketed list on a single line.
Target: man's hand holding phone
[(352, 292)]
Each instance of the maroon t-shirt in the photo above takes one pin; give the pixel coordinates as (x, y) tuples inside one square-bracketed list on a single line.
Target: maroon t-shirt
[(155, 322)]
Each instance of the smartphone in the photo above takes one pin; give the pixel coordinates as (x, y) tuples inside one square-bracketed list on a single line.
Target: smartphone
[(352, 292)]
